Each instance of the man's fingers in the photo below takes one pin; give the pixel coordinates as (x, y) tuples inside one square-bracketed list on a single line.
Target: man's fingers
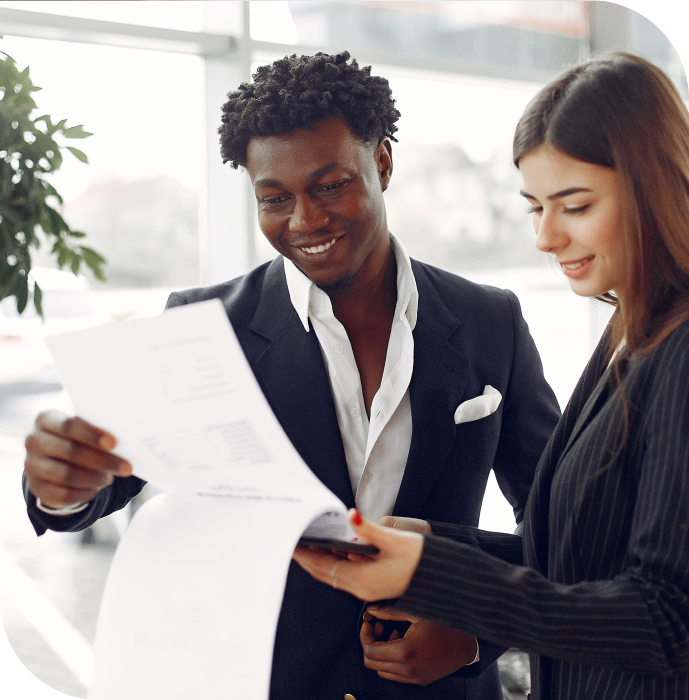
[(394, 677), (46, 444), (68, 460), (57, 473), (366, 634), (392, 668), (56, 496), (383, 613), (75, 428)]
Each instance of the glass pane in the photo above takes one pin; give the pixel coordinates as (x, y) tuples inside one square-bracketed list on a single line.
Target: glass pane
[(530, 38), (272, 21), (183, 14), (651, 43)]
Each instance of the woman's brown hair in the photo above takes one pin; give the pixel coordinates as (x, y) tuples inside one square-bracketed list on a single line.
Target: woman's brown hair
[(622, 112)]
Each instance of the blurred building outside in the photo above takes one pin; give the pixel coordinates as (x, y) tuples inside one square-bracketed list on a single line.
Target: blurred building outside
[(148, 79)]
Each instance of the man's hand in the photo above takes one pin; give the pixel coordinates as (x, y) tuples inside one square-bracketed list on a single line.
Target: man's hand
[(68, 460), (426, 652)]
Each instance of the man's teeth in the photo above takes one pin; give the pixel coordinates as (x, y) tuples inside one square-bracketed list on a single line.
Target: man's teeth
[(318, 248), (577, 265)]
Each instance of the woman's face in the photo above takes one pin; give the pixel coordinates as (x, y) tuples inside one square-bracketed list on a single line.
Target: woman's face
[(577, 216)]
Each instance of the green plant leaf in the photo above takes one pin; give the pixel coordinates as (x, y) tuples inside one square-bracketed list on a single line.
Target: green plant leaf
[(76, 132), (38, 299), (27, 199), (94, 260), (21, 292), (80, 155)]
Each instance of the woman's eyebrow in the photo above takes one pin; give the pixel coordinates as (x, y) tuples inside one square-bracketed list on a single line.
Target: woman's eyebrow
[(558, 195)]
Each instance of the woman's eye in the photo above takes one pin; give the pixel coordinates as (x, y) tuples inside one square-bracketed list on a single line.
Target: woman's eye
[(576, 210), (534, 210)]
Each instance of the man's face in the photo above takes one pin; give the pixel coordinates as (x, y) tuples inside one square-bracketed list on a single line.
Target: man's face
[(320, 201)]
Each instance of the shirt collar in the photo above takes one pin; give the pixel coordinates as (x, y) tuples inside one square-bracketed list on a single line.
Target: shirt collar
[(299, 286)]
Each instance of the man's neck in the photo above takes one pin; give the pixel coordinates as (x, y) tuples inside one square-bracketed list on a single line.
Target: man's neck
[(367, 302)]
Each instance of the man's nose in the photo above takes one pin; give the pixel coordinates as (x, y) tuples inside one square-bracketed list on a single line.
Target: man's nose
[(549, 234), (307, 216)]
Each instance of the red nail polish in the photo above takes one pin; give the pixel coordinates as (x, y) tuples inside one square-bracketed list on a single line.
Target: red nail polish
[(356, 518)]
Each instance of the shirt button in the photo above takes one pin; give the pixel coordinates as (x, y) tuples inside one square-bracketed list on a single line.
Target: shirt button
[(367, 478), (338, 349), (349, 696), (355, 412)]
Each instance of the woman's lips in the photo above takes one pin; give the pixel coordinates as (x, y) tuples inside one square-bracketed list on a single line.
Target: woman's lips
[(577, 268)]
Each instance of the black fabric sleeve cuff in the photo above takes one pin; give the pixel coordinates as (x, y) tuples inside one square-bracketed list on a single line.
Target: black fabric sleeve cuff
[(500, 544)]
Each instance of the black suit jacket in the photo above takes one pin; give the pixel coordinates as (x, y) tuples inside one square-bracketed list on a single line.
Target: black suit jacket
[(466, 336), (604, 599)]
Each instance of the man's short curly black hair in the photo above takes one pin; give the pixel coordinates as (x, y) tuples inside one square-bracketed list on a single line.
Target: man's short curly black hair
[(299, 93)]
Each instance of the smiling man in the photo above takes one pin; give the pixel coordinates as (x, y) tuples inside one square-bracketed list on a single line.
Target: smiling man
[(365, 356)]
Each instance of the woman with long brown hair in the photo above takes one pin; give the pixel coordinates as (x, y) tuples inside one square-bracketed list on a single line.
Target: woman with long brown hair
[(599, 593)]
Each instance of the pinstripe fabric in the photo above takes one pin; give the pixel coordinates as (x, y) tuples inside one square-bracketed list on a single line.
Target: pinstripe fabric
[(603, 599)]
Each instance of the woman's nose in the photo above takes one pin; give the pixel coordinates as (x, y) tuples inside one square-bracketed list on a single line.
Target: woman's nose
[(307, 216), (549, 234)]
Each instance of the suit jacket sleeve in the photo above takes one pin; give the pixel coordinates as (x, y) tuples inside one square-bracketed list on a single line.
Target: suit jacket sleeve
[(637, 620), (500, 544), (110, 499), (530, 414)]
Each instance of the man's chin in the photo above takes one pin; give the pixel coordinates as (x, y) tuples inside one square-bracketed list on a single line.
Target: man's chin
[(338, 285)]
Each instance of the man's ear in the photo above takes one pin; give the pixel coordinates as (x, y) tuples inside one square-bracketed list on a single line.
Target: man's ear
[(383, 156)]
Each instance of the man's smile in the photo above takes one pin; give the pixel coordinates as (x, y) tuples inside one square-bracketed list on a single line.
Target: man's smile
[(319, 248)]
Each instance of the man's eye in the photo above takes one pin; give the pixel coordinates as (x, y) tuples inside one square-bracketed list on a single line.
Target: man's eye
[(332, 186), (273, 200)]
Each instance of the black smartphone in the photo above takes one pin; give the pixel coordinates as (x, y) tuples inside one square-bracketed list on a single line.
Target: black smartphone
[(338, 545)]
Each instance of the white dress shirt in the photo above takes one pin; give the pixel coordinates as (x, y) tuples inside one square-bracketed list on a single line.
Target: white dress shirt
[(376, 450)]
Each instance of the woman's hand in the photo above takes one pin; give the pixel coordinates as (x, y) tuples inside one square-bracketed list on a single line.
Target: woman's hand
[(385, 575)]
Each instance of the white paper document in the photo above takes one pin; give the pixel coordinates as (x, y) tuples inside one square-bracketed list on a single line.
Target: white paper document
[(194, 592)]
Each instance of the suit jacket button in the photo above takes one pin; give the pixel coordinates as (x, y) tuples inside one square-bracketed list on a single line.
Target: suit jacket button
[(349, 696)]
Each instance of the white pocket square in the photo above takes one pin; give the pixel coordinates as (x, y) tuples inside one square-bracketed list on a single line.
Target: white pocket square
[(480, 407)]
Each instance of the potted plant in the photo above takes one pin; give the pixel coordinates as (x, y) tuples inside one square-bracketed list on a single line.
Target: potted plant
[(29, 204)]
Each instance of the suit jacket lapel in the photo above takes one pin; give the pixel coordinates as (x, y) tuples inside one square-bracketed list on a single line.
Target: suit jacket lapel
[(436, 386), (584, 402), (294, 379)]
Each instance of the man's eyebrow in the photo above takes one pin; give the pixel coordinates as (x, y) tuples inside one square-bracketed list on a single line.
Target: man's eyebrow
[(267, 182), (324, 170), (558, 195)]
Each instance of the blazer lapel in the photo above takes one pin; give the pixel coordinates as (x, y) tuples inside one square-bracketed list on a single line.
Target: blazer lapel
[(436, 386), (598, 395), (294, 379)]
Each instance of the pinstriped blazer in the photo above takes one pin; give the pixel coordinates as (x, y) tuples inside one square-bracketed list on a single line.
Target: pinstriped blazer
[(602, 600)]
